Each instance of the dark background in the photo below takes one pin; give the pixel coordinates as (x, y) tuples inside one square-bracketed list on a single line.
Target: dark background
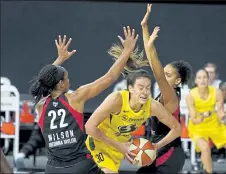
[(195, 33)]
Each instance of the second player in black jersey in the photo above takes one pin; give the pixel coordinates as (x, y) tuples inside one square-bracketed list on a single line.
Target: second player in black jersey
[(170, 158)]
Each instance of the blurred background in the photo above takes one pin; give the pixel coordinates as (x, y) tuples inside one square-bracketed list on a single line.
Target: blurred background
[(191, 32)]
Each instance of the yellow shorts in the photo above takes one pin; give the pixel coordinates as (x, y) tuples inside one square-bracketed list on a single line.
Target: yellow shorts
[(103, 155), (217, 134)]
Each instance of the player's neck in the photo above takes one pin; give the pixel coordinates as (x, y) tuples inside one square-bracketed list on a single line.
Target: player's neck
[(203, 91), (55, 94), (135, 106)]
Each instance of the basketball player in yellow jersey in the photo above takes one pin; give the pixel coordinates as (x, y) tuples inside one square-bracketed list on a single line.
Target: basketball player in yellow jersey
[(110, 126), (205, 122)]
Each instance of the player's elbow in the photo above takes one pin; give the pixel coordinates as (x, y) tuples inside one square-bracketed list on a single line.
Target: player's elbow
[(89, 127)]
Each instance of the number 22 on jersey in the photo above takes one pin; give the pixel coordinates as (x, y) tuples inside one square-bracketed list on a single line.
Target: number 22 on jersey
[(60, 113)]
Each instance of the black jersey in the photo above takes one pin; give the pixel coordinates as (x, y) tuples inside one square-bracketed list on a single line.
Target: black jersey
[(63, 130), (159, 130)]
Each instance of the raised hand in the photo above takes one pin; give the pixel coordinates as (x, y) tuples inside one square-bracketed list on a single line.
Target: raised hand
[(130, 40), (146, 16), (62, 48), (153, 36)]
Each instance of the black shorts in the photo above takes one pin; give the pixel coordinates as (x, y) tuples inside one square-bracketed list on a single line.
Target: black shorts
[(85, 166), (172, 164)]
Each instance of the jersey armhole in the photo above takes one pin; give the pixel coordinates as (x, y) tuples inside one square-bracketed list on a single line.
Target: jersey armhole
[(117, 114)]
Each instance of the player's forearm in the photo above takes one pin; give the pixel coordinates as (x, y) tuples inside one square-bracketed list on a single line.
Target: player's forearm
[(116, 69), (155, 64), (58, 61), (220, 112), (193, 118), (152, 55), (96, 133), (172, 135), (146, 36)]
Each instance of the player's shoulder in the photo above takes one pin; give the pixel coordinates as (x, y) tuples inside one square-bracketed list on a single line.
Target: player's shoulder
[(115, 101), (154, 103), (218, 92), (40, 104), (156, 107), (115, 96)]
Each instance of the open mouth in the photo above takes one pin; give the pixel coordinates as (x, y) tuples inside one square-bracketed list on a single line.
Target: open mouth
[(143, 98)]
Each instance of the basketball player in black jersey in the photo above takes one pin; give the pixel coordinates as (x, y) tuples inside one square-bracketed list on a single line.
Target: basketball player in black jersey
[(61, 118), (170, 158)]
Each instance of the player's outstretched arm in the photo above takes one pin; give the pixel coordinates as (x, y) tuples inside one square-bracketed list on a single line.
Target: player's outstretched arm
[(169, 95), (192, 111), (166, 118), (62, 48), (112, 104), (91, 90)]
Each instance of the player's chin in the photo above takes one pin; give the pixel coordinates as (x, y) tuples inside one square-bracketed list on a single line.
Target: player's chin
[(203, 85), (142, 101)]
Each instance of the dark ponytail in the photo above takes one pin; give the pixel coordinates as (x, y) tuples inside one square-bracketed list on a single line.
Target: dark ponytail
[(46, 81)]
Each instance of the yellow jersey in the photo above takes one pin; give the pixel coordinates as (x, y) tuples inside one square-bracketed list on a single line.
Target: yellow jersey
[(206, 107), (119, 127), (210, 128)]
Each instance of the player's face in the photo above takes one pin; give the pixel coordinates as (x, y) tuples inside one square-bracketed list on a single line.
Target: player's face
[(211, 71), (201, 79), (141, 89), (172, 76), (65, 82)]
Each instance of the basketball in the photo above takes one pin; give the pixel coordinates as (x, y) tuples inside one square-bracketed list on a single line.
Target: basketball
[(144, 150)]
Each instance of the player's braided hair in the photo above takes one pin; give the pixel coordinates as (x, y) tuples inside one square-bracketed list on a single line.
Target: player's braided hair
[(184, 70), (48, 78)]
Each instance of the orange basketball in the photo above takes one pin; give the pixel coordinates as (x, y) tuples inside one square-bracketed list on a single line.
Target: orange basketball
[(144, 150)]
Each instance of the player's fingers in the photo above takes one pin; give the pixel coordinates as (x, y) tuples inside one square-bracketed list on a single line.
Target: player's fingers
[(125, 31), (157, 29), (129, 31), (68, 43), (155, 145), (60, 40), (71, 53), (57, 45), (137, 37), (64, 39), (121, 39), (133, 33), (129, 158), (132, 154)]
